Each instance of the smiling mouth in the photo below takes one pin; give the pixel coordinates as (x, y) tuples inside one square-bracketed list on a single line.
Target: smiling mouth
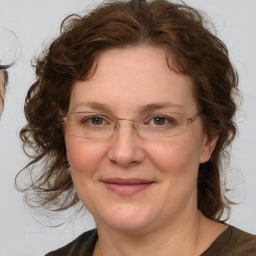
[(127, 187)]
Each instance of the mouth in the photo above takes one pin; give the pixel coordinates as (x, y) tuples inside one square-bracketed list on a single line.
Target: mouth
[(127, 187)]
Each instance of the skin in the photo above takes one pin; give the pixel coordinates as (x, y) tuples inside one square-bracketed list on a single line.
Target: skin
[(156, 220)]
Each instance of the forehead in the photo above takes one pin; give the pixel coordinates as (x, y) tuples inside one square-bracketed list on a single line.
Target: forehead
[(128, 78)]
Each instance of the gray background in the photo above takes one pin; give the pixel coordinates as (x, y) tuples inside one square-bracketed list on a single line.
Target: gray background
[(35, 23)]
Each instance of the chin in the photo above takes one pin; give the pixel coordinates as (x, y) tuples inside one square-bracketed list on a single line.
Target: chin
[(128, 219)]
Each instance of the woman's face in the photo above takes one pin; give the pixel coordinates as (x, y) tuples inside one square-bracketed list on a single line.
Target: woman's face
[(110, 174)]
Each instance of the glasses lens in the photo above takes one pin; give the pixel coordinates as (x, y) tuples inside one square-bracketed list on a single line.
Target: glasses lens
[(90, 125), (163, 125)]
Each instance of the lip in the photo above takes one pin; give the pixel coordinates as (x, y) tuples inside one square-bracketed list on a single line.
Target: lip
[(127, 187)]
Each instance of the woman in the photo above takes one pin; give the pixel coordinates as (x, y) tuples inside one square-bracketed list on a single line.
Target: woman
[(131, 114)]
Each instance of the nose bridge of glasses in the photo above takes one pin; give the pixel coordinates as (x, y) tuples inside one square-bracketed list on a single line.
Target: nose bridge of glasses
[(128, 121)]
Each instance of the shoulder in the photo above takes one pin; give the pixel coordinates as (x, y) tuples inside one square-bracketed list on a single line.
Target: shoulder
[(84, 243), (233, 242), (243, 243)]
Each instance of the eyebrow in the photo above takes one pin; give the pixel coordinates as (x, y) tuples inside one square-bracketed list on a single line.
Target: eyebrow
[(142, 108), (92, 105), (158, 106)]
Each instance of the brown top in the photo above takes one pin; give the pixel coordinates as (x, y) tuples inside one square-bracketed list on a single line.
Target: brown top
[(232, 242)]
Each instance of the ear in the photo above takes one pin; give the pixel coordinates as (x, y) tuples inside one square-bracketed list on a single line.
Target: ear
[(207, 148)]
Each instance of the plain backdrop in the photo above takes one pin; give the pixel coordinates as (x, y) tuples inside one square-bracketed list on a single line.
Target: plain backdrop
[(35, 23)]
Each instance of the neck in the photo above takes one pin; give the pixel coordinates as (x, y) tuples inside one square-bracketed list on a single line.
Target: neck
[(190, 237)]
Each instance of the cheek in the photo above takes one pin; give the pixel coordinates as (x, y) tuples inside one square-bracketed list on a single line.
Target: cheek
[(178, 162), (175, 155), (83, 156)]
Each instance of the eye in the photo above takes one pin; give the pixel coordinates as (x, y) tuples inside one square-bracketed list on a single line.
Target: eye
[(162, 121), (93, 120), (97, 120), (159, 120)]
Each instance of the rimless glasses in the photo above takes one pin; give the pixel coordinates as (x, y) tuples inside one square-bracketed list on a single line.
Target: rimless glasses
[(93, 125)]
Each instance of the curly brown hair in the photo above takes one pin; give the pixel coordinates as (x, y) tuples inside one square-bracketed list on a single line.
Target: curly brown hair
[(198, 53), (4, 78)]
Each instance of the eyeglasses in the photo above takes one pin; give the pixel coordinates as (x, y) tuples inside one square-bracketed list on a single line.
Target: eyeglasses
[(91, 125)]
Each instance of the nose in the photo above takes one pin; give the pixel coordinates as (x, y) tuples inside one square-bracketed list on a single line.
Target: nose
[(125, 149)]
